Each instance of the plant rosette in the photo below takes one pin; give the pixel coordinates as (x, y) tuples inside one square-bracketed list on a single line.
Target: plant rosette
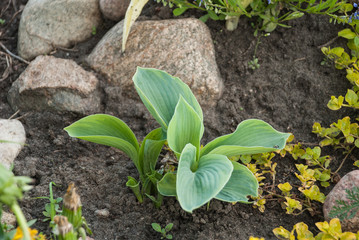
[(202, 173)]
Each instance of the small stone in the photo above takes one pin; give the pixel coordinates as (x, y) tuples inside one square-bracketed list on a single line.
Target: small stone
[(30, 166), (8, 218), (348, 182), (46, 24), (114, 10), (104, 213), (181, 47), (50, 83), (13, 132)]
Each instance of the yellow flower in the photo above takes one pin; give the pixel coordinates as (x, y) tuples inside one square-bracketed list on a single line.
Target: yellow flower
[(19, 235)]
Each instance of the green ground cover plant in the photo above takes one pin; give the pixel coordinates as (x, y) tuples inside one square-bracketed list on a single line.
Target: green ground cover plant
[(269, 14), (202, 173), (329, 231)]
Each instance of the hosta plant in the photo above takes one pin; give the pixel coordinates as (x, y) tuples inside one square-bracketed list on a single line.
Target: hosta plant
[(202, 174)]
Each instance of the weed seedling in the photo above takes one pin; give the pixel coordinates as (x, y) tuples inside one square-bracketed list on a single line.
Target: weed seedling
[(347, 209), (51, 208), (164, 231)]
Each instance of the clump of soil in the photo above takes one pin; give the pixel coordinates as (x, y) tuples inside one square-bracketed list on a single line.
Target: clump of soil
[(290, 91)]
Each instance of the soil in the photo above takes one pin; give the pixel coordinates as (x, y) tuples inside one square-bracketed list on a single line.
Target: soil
[(290, 91)]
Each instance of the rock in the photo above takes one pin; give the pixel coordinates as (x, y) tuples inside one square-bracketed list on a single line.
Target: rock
[(14, 132), (29, 167), (50, 83), (114, 10), (349, 181), (181, 47), (8, 218), (46, 24), (104, 213)]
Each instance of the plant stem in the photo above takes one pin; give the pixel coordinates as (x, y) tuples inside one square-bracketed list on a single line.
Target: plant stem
[(52, 205), (345, 158), (15, 208)]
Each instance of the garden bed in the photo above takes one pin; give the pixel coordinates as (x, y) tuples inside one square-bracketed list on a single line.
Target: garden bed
[(290, 91)]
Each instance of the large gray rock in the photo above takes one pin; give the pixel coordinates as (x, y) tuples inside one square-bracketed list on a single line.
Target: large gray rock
[(13, 133), (50, 83), (46, 24), (349, 181), (114, 9), (182, 48)]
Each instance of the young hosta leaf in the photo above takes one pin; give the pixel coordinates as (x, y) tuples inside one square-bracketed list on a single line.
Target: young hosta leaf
[(107, 130), (132, 13), (167, 185), (199, 182), (185, 127), (160, 93), (241, 185), (251, 136), (135, 187), (150, 150)]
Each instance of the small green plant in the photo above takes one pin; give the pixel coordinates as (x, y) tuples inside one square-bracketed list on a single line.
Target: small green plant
[(346, 209), (164, 231), (94, 30), (51, 208), (202, 173), (331, 230), (2, 21), (253, 64)]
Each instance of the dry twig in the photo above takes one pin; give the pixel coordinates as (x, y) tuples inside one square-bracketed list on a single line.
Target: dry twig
[(13, 55), (8, 69)]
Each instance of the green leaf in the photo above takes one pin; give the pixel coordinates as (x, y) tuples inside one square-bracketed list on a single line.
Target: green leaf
[(293, 15), (107, 130), (351, 97), (169, 227), (133, 12), (198, 182), (185, 127), (213, 15), (204, 18), (356, 143), (251, 136), (335, 103), (347, 33), (156, 227), (150, 150), (241, 184), (167, 185), (160, 93), (356, 41), (179, 11), (135, 187)]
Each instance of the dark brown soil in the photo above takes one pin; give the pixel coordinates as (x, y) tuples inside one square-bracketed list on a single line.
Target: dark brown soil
[(290, 90)]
